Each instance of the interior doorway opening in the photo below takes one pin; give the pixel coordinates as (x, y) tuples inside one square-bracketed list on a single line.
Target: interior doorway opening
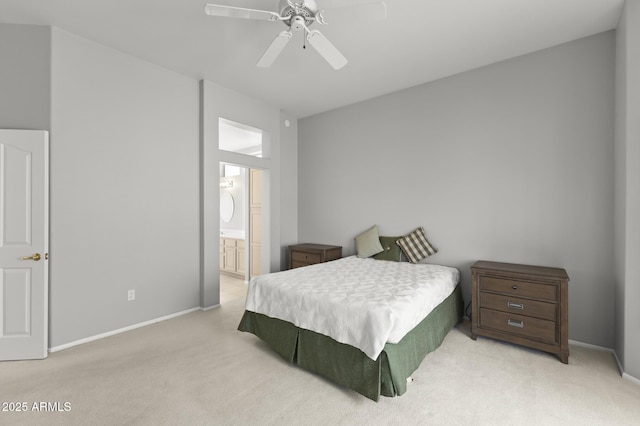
[(243, 161), (241, 236)]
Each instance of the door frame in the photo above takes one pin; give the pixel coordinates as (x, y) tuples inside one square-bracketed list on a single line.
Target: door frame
[(211, 157)]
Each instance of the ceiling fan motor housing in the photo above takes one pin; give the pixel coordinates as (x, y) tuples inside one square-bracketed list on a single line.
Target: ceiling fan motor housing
[(305, 10)]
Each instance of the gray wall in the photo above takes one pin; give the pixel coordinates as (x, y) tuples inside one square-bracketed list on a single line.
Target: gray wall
[(124, 190), (627, 190), (25, 77), (289, 182), (125, 181), (512, 162)]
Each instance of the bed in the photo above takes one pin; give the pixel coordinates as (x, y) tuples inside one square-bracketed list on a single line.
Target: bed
[(365, 324)]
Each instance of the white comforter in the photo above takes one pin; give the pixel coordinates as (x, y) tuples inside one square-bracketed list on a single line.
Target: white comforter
[(361, 302)]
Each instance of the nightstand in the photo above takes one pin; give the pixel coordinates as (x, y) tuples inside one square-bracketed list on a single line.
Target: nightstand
[(310, 254), (521, 304)]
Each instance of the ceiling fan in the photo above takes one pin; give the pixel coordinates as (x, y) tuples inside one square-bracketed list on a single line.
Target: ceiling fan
[(299, 16)]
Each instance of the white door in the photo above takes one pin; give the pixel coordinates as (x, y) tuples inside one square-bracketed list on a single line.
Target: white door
[(24, 189)]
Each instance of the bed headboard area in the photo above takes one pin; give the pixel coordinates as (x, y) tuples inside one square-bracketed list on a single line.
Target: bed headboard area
[(414, 246)]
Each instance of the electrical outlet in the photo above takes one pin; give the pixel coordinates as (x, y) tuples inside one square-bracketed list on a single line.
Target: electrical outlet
[(131, 295)]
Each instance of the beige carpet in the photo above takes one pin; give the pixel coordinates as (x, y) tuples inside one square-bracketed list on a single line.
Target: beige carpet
[(198, 370)]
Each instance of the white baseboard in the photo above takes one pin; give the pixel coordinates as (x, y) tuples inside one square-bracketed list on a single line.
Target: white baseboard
[(620, 369), (631, 379), (615, 355), (208, 308), (121, 330), (590, 346)]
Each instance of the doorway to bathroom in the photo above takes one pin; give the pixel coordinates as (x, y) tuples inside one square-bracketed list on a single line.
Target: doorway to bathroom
[(241, 207), (240, 229)]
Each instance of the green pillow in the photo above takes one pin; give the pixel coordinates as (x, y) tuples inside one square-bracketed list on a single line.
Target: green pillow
[(391, 251), (368, 242)]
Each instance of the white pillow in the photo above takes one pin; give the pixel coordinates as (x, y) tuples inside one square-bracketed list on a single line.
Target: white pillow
[(368, 242)]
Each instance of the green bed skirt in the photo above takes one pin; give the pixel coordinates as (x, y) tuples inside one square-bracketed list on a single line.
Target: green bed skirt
[(349, 366)]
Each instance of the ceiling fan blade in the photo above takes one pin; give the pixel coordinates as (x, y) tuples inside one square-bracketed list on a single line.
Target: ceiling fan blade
[(273, 51), (363, 12), (239, 12), (327, 50)]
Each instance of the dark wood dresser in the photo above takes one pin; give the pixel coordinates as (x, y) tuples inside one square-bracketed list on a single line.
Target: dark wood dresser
[(521, 304), (310, 254)]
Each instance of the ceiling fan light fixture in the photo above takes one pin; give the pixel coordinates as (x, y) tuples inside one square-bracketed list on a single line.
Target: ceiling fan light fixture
[(298, 23), (298, 16)]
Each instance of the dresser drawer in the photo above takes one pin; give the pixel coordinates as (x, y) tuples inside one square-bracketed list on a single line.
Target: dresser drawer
[(519, 288), (516, 305), (308, 258), (518, 324)]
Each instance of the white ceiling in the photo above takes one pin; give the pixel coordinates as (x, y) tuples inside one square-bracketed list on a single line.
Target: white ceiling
[(421, 41)]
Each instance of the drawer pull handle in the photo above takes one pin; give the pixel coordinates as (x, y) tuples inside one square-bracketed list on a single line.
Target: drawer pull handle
[(513, 323), (515, 287), (515, 305)]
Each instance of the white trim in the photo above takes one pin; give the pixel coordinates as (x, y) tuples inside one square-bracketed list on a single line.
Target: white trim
[(121, 330), (620, 369), (590, 346), (631, 378), (208, 308), (615, 355)]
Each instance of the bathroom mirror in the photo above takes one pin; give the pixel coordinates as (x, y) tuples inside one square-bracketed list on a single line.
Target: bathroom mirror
[(226, 207)]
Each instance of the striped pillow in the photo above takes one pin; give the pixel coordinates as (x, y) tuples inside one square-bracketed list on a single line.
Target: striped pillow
[(416, 246)]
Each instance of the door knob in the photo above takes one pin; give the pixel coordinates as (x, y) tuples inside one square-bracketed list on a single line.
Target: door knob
[(34, 256)]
